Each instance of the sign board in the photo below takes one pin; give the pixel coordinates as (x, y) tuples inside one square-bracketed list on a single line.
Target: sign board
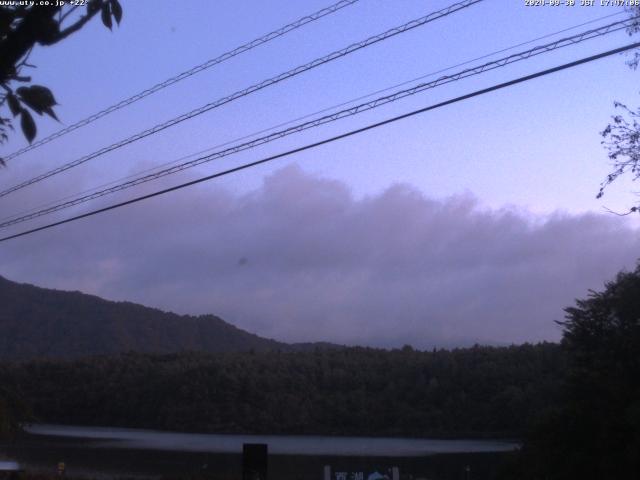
[(368, 474)]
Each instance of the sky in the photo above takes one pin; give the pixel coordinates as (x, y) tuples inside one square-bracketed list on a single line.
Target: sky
[(476, 222)]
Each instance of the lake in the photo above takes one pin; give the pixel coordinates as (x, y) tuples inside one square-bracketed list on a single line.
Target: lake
[(8, 465), (108, 452)]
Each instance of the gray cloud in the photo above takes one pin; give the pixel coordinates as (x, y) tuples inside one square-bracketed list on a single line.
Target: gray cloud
[(301, 260)]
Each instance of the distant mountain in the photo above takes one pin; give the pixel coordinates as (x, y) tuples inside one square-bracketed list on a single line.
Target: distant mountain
[(40, 322)]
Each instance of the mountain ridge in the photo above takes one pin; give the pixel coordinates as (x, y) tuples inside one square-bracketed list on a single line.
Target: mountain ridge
[(40, 322)]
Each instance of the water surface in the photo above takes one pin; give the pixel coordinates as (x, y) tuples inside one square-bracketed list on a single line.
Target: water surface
[(103, 437), (4, 465)]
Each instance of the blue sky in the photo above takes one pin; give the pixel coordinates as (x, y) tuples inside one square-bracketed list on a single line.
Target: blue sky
[(532, 151), (534, 145)]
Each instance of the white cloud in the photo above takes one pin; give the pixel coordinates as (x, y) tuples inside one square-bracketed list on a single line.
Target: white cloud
[(301, 260)]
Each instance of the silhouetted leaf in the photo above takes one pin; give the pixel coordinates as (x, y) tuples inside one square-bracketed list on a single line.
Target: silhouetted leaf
[(2, 162), (6, 18), (37, 97), (48, 31), (116, 9), (49, 111), (14, 104), (28, 125), (106, 16)]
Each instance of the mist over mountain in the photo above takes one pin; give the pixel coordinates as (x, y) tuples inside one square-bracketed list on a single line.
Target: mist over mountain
[(302, 258)]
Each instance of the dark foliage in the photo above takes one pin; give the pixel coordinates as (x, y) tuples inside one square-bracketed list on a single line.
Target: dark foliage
[(634, 12), (24, 26), (13, 411), (621, 137), (595, 432), (480, 391), (622, 140)]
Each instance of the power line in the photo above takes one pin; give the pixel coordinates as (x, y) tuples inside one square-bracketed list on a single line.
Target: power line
[(331, 139), (254, 88), (502, 62), (186, 74), (309, 115)]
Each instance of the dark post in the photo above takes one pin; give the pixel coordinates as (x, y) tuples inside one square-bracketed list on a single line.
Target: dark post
[(254, 461)]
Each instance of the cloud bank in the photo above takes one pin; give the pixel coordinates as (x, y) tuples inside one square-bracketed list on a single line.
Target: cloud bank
[(301, 259)]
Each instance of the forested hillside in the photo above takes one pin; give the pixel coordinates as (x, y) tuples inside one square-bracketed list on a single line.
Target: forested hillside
[(39, 322), (481, 391)]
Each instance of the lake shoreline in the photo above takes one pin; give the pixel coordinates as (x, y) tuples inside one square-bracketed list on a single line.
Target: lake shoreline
[(40, 459), (514, 437), (115, 453), (114, 437)]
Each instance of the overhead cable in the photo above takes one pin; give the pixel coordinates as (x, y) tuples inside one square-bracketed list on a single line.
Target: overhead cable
[(303, 117), (348, 112), (328, 140), (186, 74), (249, 90)]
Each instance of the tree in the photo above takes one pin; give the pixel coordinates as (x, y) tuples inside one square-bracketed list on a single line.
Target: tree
[(602, 338), (622, 136), (12, 413), (22, 27), (622, 139), (596, 432)]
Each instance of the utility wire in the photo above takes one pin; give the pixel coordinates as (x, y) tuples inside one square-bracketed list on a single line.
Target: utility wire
[(502, 62), (186, 74), (297, 119), (254, 88), (331, 139), (304, 117)]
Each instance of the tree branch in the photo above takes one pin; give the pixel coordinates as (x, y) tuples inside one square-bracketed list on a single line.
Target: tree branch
[(23, 38), (74, 27), (65, 15)]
